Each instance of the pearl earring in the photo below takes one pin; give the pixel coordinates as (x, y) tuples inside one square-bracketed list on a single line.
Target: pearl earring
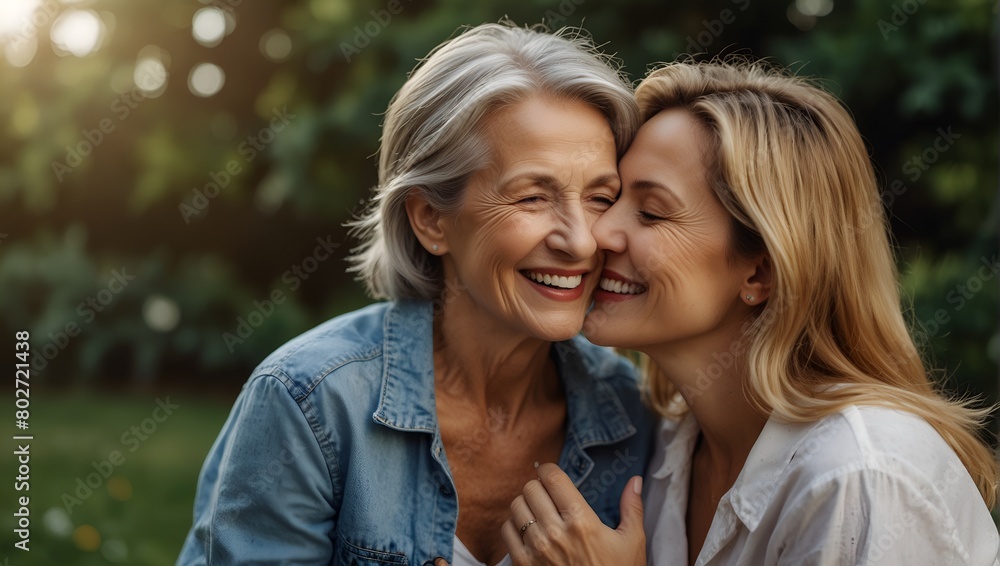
[(434, 247), (750, 298)]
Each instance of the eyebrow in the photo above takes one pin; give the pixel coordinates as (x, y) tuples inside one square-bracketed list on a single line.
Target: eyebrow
[(647, 185), (608, 179)]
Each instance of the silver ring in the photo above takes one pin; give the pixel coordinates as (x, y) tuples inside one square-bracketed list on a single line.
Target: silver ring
[(525, 526)]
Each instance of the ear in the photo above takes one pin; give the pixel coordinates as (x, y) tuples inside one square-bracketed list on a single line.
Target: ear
[(756, 288), (426, 222)]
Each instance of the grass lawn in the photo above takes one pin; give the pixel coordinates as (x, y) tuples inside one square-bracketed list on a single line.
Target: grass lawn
[(140, 513)]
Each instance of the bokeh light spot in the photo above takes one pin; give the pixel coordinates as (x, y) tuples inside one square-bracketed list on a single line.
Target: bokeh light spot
[(161, 314), (272, 192), (208, 26), (800, 20), (119, 488), (230, 21), (77, 32), (19, 51), (16, 17), (816, 8), (57, 522), (114, 550), (331, 12), (87, 538), (150, 76), (206, 79), (275, 45)]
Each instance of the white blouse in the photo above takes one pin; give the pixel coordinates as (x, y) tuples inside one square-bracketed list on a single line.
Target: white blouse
[(461, 556), (867, 485)]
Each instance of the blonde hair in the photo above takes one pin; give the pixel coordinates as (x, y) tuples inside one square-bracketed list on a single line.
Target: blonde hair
[(432, 140), (791, 168)]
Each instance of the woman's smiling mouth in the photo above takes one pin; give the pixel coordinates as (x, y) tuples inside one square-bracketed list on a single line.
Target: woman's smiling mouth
[(557, 284), (616, 287), (553, 280)]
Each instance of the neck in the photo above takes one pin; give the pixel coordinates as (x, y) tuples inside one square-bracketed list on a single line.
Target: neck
[(482, 365), (710, 377)]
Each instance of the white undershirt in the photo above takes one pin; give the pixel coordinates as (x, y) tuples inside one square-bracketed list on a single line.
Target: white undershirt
[(462, 557)]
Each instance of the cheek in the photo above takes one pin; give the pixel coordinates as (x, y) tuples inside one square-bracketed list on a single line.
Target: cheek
[(677, 263), (489, 244), (478, 234)]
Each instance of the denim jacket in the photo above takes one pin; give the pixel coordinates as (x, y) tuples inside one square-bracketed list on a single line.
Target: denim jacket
[(332, 452)]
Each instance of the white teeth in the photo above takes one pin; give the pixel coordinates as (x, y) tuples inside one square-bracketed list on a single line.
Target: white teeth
[(571, 282), (621, 287)]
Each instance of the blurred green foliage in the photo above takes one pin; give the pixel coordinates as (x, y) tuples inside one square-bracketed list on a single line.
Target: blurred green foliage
[(208, 206)]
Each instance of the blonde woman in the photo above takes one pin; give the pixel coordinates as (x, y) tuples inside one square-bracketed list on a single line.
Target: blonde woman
[(800, 425)]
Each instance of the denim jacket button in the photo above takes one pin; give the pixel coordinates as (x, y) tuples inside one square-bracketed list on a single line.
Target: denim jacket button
[(446, 490)]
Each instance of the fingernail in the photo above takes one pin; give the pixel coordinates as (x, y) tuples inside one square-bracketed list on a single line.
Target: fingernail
[(637, 486)]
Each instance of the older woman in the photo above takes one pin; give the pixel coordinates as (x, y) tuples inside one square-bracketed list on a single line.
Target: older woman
[(398, 434), (743, 259)]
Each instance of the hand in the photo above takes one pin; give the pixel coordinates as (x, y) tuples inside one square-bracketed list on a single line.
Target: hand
[(566, 531)]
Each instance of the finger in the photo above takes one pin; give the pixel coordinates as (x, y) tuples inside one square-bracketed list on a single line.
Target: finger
[(561, 490), (631, 508), (440, 562), (520, 512), (540, 504), (515, 545)]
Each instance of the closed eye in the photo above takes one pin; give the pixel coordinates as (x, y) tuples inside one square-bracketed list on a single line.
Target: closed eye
[(647, 217)]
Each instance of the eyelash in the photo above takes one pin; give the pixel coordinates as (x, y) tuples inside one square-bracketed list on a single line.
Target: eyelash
[(647, 217)]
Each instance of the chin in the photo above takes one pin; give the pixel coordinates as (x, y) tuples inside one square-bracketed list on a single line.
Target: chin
[(597, 339), (598, 329), (556, 330), (559, 335)]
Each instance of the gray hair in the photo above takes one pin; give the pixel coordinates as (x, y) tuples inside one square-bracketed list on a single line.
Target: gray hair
[(431, 139)]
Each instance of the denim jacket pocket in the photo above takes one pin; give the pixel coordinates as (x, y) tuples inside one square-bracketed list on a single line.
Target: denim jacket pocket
[(350, 554)]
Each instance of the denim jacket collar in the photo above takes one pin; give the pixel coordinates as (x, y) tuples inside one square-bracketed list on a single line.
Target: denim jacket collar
[(407, 399), (595, 413)]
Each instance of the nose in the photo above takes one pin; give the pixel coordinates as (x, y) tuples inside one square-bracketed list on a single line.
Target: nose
[(572, 233), (608, 233)]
